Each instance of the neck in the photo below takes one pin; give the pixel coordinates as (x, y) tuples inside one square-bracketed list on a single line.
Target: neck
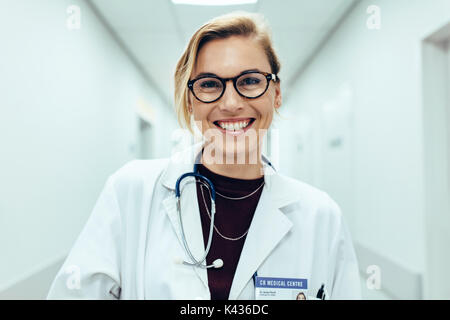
[(236, 170)]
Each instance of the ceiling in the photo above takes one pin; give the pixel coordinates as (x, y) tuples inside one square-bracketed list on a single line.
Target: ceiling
[(155, 33)]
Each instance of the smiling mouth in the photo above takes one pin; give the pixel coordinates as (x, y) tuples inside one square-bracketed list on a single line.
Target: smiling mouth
[(234, 125)]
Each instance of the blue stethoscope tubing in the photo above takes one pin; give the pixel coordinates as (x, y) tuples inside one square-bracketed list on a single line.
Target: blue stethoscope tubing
[(198, 263), (218, 263)]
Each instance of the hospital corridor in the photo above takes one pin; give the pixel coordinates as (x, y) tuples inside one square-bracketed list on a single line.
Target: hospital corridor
[(344, 104)]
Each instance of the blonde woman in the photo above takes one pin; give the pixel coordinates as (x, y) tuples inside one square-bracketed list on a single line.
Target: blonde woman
[(217, 221)]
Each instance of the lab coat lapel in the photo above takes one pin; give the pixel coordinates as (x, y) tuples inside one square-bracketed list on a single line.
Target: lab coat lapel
[(268, 227), (191, 223), (189, 207)]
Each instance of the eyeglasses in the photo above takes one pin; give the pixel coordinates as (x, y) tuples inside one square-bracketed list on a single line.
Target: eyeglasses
[(249, 84)]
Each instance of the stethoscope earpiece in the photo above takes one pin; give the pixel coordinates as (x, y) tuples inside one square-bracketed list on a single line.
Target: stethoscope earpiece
[(218, 263)]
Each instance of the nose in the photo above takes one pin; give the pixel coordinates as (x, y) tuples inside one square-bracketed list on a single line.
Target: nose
[(231, 101)]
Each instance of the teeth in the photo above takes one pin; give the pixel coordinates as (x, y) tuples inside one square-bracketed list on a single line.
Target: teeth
[(234, 126)]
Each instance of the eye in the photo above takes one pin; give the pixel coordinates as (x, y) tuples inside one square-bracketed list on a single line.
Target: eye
[(248, 81), (209, 84)]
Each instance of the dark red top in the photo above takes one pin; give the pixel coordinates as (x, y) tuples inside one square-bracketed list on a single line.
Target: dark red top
[(232, 219)]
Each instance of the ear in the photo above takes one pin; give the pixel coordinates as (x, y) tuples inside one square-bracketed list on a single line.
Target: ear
[(189, 103), (278, 95)]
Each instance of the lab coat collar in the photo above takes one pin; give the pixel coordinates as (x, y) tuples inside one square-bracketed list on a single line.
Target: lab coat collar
[(183, 162), (268, 228)]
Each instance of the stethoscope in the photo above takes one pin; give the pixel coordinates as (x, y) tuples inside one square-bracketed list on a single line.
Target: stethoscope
[(218, 263)]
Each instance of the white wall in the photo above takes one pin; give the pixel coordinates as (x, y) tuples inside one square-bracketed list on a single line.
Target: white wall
[(67, 122), (371, 82)]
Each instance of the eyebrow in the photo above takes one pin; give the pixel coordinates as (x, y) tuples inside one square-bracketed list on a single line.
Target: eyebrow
[(210, 74)]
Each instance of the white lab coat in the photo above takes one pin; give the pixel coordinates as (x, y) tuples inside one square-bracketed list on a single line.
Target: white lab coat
[(131, 243)]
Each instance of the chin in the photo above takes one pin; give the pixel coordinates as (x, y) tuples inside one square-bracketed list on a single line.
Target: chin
[(239, 154)]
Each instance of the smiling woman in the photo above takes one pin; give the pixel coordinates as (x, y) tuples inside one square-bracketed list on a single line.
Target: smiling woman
[(231, 69), (248, 26), (154, 233)]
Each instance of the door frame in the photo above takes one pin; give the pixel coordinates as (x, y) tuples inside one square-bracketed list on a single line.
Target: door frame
[(436, 139)]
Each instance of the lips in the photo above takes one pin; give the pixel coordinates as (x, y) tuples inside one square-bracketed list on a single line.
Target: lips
[(234, 125)]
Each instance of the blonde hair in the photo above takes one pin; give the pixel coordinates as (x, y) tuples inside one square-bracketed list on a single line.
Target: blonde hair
[(234, 24)]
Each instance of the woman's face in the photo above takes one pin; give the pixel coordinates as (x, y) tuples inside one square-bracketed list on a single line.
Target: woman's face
[(228, 58)]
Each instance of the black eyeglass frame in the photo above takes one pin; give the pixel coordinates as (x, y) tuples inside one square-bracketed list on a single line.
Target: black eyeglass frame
[(269, 76)]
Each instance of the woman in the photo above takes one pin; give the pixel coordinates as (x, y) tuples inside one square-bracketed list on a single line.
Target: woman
[(270, 231)]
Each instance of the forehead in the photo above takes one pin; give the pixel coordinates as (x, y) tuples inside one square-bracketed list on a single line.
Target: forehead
[(230, 56)]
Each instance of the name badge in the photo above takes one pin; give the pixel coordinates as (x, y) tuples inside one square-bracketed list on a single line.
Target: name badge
[(280, 288)]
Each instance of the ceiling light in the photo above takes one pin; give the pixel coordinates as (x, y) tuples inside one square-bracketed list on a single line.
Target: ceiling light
[(214, 2)]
